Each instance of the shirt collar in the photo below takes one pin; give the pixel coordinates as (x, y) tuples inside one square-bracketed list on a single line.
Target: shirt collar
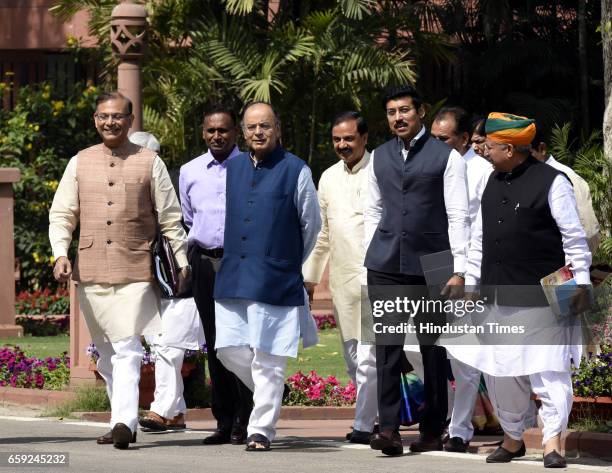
[(209, 159), (363, 162), (469, 154), (125, 149)]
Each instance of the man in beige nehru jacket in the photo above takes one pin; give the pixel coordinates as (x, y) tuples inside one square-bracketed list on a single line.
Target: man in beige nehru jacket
[(119, 193)]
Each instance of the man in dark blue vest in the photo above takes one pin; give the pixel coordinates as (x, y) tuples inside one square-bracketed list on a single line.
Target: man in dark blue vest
[(417, 205), (272, 222)]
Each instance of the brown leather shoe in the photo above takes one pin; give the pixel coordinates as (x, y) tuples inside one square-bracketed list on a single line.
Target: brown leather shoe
[(426, 443), (107, 438), (388, 441), (121, 436), (153, 422), (176, 423)]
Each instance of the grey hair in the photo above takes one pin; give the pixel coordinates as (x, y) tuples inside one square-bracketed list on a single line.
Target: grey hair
[(146, 140)]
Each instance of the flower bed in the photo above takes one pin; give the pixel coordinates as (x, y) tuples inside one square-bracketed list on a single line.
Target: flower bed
[(21, 371), (325, 322), (43, 325), (594, 376), (43, 302), (314, 390)]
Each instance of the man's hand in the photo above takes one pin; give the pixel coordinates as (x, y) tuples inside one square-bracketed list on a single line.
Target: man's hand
[(62, 269), (581, 300), (310, 287), (454, 288), (184, 280)]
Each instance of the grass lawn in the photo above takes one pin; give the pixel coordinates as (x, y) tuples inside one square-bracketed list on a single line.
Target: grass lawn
[(326, 358), (40, 347)]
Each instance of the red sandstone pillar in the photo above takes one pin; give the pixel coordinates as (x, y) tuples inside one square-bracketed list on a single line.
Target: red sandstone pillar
[(128, 29), (8, 328)]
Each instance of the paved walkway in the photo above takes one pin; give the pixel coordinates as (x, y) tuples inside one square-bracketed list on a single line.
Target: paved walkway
[(302, 446)]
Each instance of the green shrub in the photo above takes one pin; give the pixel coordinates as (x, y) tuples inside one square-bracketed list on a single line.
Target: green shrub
[(39, 136)]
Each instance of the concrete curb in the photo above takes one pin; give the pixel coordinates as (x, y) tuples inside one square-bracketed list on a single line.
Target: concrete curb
[(287, 413), (575, 443), (34, 397)]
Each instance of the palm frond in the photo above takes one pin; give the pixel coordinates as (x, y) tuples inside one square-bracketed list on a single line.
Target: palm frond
[(239, 7), (356, 9)]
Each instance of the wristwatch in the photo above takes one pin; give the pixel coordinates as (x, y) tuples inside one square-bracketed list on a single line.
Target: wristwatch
[(461, 275)]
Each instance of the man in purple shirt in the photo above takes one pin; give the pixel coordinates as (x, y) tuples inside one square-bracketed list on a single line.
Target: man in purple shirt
[(202, 190)]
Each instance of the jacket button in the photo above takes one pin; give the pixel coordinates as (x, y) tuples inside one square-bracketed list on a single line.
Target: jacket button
[(404, 212), (501, 220), (108, 242), (108, 222), (242, 257), (504, 201), (243, 238), (498, 262), (111, 184), (112, 165), (250, 202), (247, 220), (110, 203), (405, 191), (404, 233), (497, 242)]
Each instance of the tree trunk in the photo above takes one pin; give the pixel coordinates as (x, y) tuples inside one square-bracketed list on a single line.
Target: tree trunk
[(582, 61), (313, 126), (606, 35)]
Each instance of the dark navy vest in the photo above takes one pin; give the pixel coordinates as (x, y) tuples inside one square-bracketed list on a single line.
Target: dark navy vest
[(521, 242), (414, 220), (263, 247)]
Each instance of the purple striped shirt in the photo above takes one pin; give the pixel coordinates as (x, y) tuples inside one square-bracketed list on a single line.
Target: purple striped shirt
[(202, 189)]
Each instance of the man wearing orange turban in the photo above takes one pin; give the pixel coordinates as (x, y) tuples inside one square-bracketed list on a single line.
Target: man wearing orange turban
[(527, 228)]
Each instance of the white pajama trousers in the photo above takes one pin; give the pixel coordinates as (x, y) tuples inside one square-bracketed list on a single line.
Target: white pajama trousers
[(361, 367), (168, 398), (264, 374), (119, 366), (511, 399), (467, 381)]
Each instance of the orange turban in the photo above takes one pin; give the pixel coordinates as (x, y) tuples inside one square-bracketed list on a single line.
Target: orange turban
[(511, 129)]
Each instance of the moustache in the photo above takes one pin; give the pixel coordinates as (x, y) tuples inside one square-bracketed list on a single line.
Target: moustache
[(398, 124)]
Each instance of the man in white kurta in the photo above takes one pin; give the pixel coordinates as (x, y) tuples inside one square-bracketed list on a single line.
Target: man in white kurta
[(261, 307), (452, 125), (513, 371), (118, 193), (584, 203), (342, 191)]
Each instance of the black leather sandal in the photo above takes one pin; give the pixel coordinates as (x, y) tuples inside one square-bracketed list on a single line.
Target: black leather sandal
[(257, 443)]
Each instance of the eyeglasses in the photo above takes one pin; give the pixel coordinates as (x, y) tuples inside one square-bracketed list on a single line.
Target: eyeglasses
[(490, 146), (252, 127), (403, 111), (114, 116)]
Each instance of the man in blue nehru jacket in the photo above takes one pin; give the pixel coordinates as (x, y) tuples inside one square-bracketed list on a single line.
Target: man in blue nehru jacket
[(417, 204), (272, 222)]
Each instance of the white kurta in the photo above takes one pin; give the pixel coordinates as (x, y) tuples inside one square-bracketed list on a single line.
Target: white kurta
[(114, 312), (182, 327), (274, 329), (583, 201), (520, 360), (342, 193)]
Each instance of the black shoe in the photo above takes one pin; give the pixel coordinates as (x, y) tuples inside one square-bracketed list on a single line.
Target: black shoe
[(554, 460), (107, 438), (121, 436), (218, 437), (388, 441), (501, 455), (238, 435), (426, 443), (456, 444), (359, 436), (286, 392)]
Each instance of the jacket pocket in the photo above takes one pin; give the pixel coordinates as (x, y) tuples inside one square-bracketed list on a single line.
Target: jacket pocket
[(137, 244), (85, 241)]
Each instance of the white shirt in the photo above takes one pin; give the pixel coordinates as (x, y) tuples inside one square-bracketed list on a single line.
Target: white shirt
[(478, 172), (583, 201), (562, 205), (455, 200)]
